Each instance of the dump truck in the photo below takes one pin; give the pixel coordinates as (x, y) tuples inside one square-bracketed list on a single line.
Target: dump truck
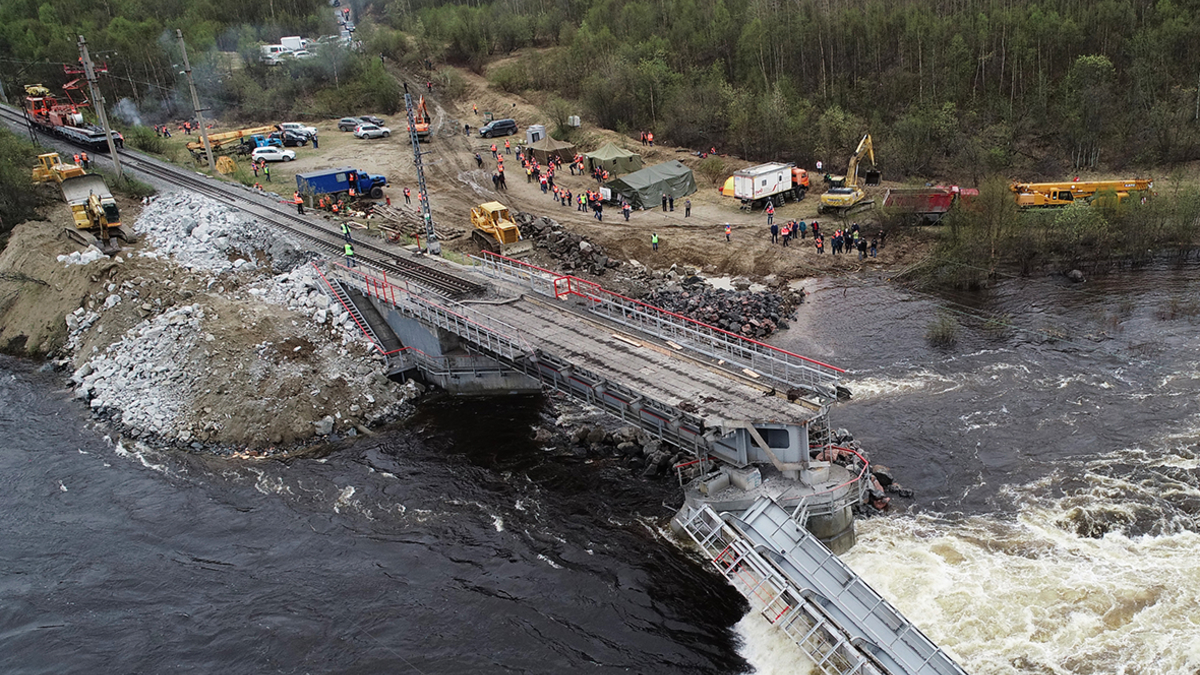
[(846, 193), (1033, 195), (773, 182), (495, 231), (334, 181), (928, 204), (97, 219), (51, 168)]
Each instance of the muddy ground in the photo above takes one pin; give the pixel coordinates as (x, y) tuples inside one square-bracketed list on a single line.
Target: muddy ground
[(456, 185)]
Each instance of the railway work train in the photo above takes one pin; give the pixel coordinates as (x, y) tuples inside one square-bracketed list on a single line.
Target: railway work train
[(46, 112)]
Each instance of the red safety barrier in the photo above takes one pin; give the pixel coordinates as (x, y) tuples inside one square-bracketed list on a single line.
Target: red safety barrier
[(566, 284)]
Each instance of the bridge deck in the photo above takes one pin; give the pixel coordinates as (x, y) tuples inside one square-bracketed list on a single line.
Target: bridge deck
[(634, 360)]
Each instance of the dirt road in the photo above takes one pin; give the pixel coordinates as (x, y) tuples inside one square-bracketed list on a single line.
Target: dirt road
[(456, 184)]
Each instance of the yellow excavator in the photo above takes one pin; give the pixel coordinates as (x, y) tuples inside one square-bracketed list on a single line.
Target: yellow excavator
[(846, 192), (495, 231)]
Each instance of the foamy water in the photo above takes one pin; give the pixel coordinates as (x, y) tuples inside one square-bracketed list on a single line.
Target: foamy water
[(768, 650), (1096, 572)]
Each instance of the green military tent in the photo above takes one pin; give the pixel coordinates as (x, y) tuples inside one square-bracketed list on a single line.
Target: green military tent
[(548, 147), (613, 159), (645, 188)]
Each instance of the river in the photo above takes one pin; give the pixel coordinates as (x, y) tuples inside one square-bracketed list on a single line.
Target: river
[(1054, 527)]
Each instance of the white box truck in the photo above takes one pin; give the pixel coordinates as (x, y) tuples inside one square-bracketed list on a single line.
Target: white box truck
[(773, 181), (294, 43)]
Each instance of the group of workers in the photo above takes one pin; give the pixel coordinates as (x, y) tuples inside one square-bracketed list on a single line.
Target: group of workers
[(187, 127), (82, 159)]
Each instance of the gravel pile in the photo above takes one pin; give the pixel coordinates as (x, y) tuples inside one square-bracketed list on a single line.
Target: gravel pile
[(200, 234), (209, 349), (137, 381)]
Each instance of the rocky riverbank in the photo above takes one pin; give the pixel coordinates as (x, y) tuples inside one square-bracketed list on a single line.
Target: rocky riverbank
[(210, 333)]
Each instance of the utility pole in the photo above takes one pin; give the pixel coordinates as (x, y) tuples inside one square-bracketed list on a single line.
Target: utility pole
[(187, 68), (432, 245), (99, 101)]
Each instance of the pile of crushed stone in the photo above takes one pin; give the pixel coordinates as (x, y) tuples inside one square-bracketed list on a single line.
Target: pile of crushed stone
[(226, 342)]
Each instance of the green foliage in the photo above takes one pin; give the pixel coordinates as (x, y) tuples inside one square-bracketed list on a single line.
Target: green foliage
[(18, 199), (942, 331), (511, 77), (713, 168), (960, 89), (992, 233), (144, 139)]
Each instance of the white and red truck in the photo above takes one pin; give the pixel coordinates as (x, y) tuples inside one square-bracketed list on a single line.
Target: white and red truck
[(775, 182)]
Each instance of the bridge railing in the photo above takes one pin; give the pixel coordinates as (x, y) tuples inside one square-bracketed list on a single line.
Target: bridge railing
[(783, 368), (482, 331), (402, 358), (539, 279)]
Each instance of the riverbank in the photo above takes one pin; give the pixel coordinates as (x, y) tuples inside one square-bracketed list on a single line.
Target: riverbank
[(210, 333)]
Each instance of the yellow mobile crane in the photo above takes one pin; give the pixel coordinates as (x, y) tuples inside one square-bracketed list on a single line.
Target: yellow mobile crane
[(846, 193), (1066, 193)]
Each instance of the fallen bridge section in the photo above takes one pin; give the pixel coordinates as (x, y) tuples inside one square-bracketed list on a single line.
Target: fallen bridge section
[(800, 586)]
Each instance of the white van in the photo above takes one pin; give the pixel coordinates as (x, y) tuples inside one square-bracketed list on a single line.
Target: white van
[(270, 53)]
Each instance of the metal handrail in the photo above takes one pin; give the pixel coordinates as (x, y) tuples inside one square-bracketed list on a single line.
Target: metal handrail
[(783, 367), (490, 334)]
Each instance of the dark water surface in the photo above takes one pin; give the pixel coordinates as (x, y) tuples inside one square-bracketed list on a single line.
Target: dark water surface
[(449, 547), (1053, 451)]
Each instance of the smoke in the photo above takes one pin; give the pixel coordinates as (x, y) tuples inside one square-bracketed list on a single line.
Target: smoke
[(127, 112)]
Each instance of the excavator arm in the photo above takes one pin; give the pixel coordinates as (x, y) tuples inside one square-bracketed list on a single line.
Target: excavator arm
[(865, 147)]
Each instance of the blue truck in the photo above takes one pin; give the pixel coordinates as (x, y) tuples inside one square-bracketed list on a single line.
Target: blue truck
[(334, 181)]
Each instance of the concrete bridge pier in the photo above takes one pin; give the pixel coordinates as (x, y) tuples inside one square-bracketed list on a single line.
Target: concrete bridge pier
[(442, 360)]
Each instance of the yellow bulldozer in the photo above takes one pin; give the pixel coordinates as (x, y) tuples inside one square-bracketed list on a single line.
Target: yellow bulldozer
[(97, 219), (51, 168), (495, 231)]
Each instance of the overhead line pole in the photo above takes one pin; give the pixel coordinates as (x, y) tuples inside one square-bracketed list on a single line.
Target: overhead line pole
[(98, 99), (432, 245), (187, 69)]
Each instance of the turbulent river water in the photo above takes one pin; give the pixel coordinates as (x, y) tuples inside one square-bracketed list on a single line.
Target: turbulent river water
[(1053, 451)]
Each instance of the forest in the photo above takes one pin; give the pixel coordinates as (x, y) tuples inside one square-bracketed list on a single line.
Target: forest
[(957, 89)]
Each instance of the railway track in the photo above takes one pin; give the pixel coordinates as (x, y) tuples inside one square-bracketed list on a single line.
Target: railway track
[(311, 233)]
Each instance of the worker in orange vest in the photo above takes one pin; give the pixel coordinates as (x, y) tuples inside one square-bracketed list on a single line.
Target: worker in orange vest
[(76, 158), (650, 138), (494, 155), (507, 147), (87, 163), (407, 194), (352, 193), (299, 202)]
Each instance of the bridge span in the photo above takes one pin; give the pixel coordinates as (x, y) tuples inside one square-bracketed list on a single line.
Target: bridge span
[(763, 509)]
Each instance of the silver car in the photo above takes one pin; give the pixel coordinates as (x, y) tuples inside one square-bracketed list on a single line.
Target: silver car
[(372, 131)]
